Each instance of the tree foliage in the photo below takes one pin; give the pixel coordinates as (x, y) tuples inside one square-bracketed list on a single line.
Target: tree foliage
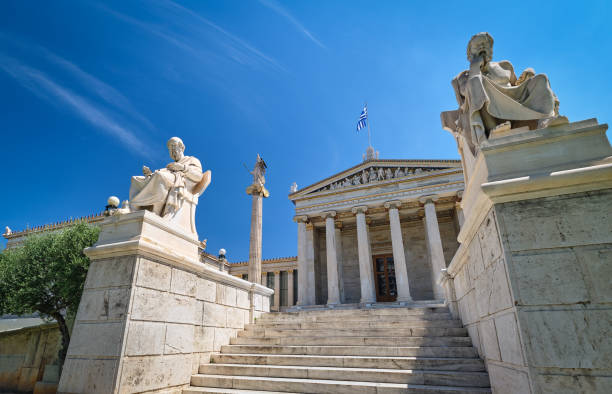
[(46, 275)]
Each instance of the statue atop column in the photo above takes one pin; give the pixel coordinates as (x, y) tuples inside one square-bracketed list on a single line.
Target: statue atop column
[(259, 192), (259, 180), (171, 192), (491, 97)]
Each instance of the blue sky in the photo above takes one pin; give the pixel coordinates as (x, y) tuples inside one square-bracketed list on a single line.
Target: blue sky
[(90, 91)]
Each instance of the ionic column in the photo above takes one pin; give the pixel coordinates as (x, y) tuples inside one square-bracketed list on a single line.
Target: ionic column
[(333, 290), (290, 294), (338, 236), (303, 261), (434, 244), (399, 258), (310, 268), (366, 274), (277, 290)]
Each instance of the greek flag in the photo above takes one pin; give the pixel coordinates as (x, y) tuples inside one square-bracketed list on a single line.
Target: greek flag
[(363, 118)]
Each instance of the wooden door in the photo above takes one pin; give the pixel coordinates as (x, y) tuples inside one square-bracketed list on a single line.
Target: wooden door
[(384, 278)]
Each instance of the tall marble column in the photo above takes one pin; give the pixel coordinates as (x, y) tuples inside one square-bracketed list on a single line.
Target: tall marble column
[(434, 244), (366, 272), (259, 192), (277, 290), (290, 294), (338, 236), (310, 264), (333, 289), (302, 261), (399, 258)]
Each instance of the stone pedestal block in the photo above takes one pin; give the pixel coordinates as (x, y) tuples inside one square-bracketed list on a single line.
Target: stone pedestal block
[(536, 248), (151, 312)]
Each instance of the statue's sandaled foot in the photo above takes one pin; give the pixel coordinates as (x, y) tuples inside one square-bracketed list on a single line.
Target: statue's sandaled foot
[(554, 121)]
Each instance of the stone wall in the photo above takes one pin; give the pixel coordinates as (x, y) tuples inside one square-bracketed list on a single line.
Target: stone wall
[(145, 325), (25, 353), (533, 289)]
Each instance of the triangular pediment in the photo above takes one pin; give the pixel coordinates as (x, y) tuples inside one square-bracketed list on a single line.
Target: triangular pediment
[(377, 172)]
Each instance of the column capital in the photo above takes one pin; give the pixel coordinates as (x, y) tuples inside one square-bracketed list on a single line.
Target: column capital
[(460, 195), (300, 218), (309, 226), (290, 271), (276, 272), (431, 198), (338, 225), (328, 214), (359, 209), (368, 221), (394, 204)]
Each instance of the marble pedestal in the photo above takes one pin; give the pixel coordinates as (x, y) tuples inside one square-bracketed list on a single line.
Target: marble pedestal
[(531, 279), (150, 312)]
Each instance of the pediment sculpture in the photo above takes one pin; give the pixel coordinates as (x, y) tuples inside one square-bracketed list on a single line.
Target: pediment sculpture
[(491, 97), (171, 192)]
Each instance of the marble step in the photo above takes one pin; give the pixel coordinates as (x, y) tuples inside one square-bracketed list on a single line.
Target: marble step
[(322, 386), (260, 332), (419, 363), (359, 312), (439, 378), (281, 318), (355, 341), (216, 390), (387, 351), (354, 323)]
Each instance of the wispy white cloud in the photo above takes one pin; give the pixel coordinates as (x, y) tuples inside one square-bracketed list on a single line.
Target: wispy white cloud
[(276, 7), (43, 86)]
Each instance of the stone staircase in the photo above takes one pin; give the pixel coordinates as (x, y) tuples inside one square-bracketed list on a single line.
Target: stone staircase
[(374, 350)]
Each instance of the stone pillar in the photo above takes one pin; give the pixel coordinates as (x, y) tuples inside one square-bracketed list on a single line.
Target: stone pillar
[(303, 261), (290, 295), (399, 258), (338, 236), (310, 268), (258, 193), (366, 273), (434, 244), (277, 290), (333, 290)]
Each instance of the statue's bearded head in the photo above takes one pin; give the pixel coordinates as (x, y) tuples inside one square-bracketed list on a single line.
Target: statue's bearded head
[(480, 44), (175, 148)]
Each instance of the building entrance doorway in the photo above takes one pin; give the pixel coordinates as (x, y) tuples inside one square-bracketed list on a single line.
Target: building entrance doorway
[(384, 277)]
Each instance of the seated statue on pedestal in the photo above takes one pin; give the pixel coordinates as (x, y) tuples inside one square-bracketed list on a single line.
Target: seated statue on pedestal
[(171, 192), (490, 97)]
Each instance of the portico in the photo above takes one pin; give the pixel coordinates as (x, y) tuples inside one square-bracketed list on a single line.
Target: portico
[(381, 231)]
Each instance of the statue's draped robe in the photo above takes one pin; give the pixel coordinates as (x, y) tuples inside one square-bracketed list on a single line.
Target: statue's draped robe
[(494, 92), (164, 188)]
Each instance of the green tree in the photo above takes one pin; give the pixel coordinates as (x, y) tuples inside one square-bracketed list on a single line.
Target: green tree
[(46, 275)]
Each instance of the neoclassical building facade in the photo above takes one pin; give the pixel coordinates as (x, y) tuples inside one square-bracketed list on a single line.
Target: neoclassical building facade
[(377, 232)]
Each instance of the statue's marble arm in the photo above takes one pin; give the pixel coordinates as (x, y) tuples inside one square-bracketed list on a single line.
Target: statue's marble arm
[(506, 65), (193, 170)]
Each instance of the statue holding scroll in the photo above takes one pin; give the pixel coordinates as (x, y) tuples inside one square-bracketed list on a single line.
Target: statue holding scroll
[(491, 97), (171, 192)]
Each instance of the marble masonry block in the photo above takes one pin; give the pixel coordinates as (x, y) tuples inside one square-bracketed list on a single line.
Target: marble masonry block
[(578, 338), (97, 339), (206, 290), (475, 263), (488, 338), (226, 295), (258, 302), (462, 281), (235, 318), (475, 336), (153, 275), (92, 305), (149, 373), (560, 221), (597, 271), (564, 384), (488, 238), (214, 315), (507, 380), (222, 337), (145, 338), (112, 272), (88, 376), (492, 290), (179, 338), (242, 299), (508, 339), (160, 306), (118, 302), (183, 282), (549, 277), (204, 339)]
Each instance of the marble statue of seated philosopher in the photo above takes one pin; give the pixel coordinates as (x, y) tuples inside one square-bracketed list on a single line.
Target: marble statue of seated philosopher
[(171, 192)]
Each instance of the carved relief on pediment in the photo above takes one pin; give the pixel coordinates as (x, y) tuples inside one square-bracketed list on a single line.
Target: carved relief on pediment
[(376, 174)]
